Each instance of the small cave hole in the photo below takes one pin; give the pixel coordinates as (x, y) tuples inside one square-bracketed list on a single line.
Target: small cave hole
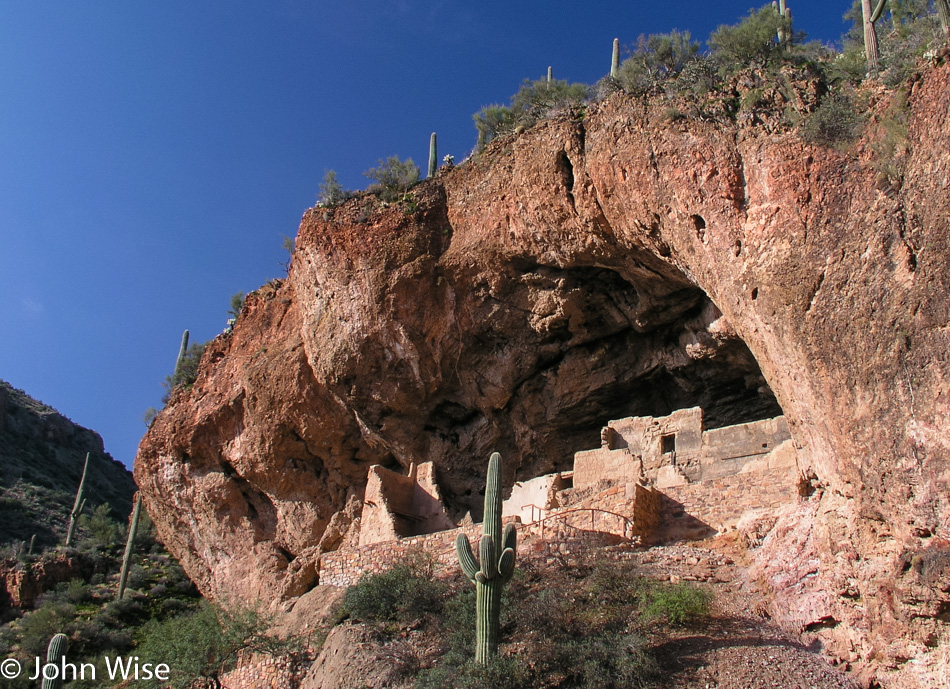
[(566, 169), (699, 226), (755, 293), (737, 248)]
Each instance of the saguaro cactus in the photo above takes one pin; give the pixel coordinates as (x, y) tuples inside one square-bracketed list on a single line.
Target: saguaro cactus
[(79, 503), (615, 59), (869, 16), (497, 556), (181, 354), (784, 34), (55, 653), (127, 556), (433, 156)]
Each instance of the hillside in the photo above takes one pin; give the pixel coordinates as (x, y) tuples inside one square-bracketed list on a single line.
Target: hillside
[(41, 460)]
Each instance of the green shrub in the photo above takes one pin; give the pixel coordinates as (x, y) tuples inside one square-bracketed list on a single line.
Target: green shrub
[(657, 58), (610, 661), (752, 42), (492, 121), (501, 672), (187, 373), (206, 643), (835, 121), (237, 305), (401, 594), (100, 529), (332, 192), (393, 177), (678, 604), (534, 101), (39, 626)]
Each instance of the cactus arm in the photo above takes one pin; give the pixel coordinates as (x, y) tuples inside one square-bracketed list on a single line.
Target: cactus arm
[(466, 559), (878, 11), (55, 653), (510, 539), (506, 565)]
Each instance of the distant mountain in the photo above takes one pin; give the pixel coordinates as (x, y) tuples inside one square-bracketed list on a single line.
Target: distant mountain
[(41, 460)]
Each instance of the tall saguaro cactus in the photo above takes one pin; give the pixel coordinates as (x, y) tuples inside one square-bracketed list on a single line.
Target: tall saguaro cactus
[(55, 653), (433, 156), (615, 59), (79, 503), (497, 564), (127, 555), (181, 354)]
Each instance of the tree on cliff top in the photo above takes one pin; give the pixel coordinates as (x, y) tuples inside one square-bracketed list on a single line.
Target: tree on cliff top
[(753, 41)]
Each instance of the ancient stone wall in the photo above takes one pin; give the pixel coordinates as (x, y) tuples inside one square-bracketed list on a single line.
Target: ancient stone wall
[(396, 506), (675, 450), (266, 672), (719, 504), (530, 500)]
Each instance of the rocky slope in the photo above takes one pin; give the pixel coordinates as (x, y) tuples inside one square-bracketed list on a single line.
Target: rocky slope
[(631, 261), (41, 460)]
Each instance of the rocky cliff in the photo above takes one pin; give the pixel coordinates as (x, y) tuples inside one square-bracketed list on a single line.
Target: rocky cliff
[(41, 460), (634, 260)]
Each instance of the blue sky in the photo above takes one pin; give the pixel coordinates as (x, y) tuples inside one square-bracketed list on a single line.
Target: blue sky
[(154, 154)]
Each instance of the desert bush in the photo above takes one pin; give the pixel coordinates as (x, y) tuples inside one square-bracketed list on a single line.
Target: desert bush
[(609, 661), (100, 529), (492, 121), (657, 58), (502, 672), (835, 121), (206, 643), (393, 177), (39, 626), (187, 373), (752, 42), (331, 192), (401, 594), (678, 605), (534, 101)]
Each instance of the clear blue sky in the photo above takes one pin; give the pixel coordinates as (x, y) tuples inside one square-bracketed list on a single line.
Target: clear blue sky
[(152, 154)]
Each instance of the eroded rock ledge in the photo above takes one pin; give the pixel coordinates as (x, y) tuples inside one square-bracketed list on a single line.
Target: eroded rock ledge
[(627, 264)]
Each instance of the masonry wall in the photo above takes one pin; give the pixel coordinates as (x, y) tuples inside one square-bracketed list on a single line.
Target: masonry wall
[(395, 505), (603, 464), (719, 504), (265, 672)]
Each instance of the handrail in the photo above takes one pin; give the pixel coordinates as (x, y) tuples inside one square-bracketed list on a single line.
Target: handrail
[(627, 522)]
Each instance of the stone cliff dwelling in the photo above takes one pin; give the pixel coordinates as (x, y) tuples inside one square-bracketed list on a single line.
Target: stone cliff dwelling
[(691, 481)]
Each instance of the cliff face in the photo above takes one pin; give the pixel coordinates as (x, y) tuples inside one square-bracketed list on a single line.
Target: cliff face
[(41, 459), (627, 263)]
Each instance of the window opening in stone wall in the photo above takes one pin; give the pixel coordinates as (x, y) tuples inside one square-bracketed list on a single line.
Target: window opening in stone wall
[(668, 443)]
